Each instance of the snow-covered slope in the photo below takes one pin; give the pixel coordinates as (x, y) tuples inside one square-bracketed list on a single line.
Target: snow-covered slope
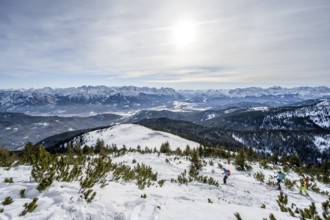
[(132, 135), (122, 200), (318, 114)]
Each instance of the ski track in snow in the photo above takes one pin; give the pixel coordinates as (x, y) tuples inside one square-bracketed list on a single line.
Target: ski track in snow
[(122, 200)]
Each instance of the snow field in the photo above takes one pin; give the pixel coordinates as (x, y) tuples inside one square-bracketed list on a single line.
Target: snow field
[(122, 200), (132, 135)]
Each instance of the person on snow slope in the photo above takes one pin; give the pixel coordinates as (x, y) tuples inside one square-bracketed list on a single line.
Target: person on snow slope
[(280, 178), (226, 173)]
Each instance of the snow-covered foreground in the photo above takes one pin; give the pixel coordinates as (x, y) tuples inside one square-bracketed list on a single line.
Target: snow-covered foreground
[(122, 200), (132, 135)]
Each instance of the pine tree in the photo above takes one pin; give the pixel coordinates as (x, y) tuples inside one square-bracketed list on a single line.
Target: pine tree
[(178, 151), (165, 148), (325, 178), (294, 160), (275, 157), (240, 160), (284, 158), (325, 167), (7, 158), (69, 148), (98, 146), (77, 149), (29, 150), (251, 155), (187, 151), (195, 161)]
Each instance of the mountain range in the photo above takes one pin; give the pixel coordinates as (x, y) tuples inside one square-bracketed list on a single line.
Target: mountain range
[(87, 100), (295, 120)]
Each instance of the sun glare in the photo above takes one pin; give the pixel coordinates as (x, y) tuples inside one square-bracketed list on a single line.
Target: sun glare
[(183, 34)]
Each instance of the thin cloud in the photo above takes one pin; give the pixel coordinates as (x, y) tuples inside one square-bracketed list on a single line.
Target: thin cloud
[(235, 42)]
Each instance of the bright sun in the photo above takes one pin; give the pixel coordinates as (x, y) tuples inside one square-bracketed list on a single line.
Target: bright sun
[(183, 34)]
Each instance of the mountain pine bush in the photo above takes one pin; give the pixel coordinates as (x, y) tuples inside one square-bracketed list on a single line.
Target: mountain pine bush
[(144, 175), (29, 207), (161, 182), (96, 171), (7, 158), (282, 201), (326, 209), (264, 164), (182, 179), (7, 201), (89, 195), (238, 216), (259, 176), (22, 193), (9, 180), (43, 171), (271, 216), (288, 183)]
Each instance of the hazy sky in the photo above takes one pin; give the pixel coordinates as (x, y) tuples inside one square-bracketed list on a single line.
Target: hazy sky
[(171, 43)]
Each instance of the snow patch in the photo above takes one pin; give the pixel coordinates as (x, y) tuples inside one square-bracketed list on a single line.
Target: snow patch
[(238, 138), (210, 116), (322, 142), (92, 113), (45, 124), (230, 111), (263, 109)]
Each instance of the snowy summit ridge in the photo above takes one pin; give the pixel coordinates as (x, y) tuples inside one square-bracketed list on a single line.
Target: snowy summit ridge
[(132, 136)]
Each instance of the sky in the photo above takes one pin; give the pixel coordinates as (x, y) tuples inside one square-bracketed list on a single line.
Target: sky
[(193, 44)]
